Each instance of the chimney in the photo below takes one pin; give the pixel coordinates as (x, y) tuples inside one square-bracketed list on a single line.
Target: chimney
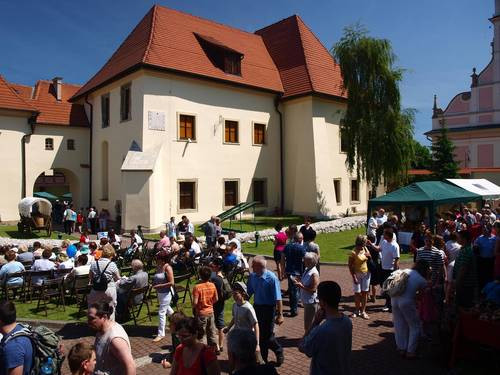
[(57, 83)]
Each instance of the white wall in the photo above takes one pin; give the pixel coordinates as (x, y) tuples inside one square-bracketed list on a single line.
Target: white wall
[(12, 129)]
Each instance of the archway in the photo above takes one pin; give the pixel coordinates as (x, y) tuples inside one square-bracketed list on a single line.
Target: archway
[(62, 183)]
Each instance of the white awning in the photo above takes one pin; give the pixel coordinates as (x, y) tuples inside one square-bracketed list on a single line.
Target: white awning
[(479, 186)]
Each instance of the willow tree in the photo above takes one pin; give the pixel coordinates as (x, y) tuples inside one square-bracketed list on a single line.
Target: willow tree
[(376, 130)]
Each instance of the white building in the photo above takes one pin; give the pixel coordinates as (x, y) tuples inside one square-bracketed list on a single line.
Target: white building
[(189, 116)]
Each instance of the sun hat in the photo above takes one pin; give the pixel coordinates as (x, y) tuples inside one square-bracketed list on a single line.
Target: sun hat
[(62, 257), (241, 287), (84, 250), (15, 249), (53, 257)]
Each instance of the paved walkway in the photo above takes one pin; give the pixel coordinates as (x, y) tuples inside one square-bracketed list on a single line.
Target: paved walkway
[(373, 349)]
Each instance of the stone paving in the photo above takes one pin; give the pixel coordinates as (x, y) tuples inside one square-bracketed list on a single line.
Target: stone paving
[(373, 349)]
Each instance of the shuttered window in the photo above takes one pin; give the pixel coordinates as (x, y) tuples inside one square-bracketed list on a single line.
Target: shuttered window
[(230, 193), (187, 127), (259, 191), (187, 199), (105, 110), (259, 134), (231, 132)]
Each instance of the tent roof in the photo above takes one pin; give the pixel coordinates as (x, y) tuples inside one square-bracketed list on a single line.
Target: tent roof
[(426, 192), (481, 186)]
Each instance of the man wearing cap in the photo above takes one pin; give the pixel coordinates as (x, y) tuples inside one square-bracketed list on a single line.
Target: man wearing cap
[(265, 287)]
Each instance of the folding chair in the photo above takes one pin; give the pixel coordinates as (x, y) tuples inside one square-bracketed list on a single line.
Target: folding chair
[(14, 288), (183, 289), (80, 289), (50, 289), (135, 308), (30, 287)]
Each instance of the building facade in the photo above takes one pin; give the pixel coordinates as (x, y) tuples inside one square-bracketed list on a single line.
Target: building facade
[(192, 117), (473, 117)]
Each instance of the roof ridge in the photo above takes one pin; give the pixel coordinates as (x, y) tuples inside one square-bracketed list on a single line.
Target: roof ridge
[(274, 23), (29, 105), (207, 20), (151, 33), (306, 63)]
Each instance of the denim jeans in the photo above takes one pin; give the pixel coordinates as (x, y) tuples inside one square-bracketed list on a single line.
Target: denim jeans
[(293, 293)]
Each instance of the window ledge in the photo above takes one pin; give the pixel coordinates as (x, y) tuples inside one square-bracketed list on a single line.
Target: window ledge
[(232, 143), (185, 141), (355, 202), (259, 144), (186, 210), (126, 120)]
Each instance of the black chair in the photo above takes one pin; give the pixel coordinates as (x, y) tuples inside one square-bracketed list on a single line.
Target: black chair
[(62, 272), (14, 288), (135, 308), (182, 291), (27, 264), (80, 289), (33, 288), (51, 288)]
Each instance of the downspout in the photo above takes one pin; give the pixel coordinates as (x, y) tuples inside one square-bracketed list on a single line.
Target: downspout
[(31, 122), (282, 172), (90, 148)]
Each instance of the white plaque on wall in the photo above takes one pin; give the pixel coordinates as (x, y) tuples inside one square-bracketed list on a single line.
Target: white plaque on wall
[(156, 120)]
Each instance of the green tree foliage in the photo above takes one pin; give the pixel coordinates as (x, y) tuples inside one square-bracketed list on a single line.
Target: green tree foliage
[(422, 157), (378, 133), (443, 164)]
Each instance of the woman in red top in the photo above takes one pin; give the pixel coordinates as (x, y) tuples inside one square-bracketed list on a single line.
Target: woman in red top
[(79, 221), (279, 245), (192, 356)]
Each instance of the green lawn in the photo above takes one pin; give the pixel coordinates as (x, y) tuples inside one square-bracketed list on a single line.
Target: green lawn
[(334, 247), (11, 231)]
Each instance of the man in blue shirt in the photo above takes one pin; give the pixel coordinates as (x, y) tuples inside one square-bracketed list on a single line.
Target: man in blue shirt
[(329, 340), (265, 287), (294, 267), (485, 251), (16, 355)]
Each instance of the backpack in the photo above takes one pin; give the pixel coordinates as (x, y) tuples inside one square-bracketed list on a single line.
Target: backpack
[(45, 344), (100, 281), (395, 285), (227, 292)]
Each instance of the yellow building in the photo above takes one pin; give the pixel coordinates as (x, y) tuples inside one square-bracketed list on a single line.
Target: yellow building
[(189, 116)]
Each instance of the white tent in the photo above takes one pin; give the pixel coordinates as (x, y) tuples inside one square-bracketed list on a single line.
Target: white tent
[(479, 186)]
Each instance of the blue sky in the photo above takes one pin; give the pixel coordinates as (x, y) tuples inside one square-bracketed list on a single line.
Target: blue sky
[(438, 42)]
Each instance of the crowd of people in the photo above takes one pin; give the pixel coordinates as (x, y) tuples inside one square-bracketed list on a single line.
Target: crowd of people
[(456, 265), (450, 268)]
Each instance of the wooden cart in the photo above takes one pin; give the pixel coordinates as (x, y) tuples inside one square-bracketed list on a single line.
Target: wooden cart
[(35, 214)]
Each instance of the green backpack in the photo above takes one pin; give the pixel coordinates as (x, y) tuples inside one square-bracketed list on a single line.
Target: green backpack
[(45, 344)]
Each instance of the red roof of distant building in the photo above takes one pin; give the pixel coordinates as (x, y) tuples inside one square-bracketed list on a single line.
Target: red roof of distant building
[(42, 99), (304, 63), (10, 99), (54, 112), (285, 57)]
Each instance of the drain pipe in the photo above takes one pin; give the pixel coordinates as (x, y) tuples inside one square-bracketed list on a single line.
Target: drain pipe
[(282, 172), (31, 122), (90, 147)]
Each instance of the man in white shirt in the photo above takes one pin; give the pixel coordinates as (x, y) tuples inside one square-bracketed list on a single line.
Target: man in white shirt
[(389, 255), (242, 260), (382, 217), (372, 224)]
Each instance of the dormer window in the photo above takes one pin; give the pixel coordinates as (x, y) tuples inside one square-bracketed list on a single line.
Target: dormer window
[(222, 56)]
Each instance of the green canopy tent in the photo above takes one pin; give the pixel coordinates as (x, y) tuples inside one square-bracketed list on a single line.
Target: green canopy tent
[(46, 195), (430, 194)]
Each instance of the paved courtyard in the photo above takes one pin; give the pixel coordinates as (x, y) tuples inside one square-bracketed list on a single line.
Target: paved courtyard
[(372, 352)]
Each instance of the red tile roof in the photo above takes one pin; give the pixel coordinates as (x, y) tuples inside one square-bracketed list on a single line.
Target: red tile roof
[(305, 65), (42, 99), (10, 99), (166, 39), (53, 112)]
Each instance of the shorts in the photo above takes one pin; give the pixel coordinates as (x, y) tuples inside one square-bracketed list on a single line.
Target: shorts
[(219, 317), (363, 284), (277, 256)]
